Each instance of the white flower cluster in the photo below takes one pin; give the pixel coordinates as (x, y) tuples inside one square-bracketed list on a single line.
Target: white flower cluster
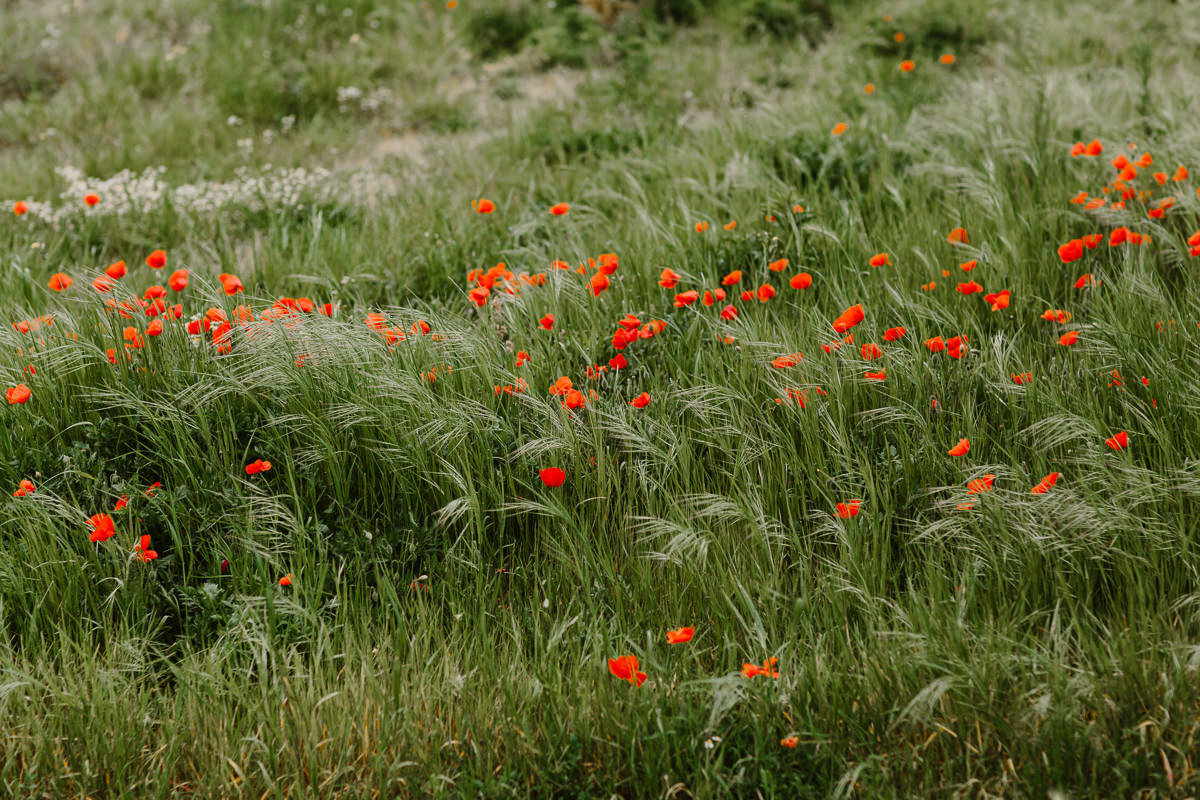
[(129, 193), (352, 98)]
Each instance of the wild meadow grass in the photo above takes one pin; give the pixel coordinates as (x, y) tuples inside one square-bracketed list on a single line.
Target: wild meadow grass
[(400, 606)]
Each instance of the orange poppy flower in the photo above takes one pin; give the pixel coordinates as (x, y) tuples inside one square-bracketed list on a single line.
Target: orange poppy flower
[(143, 550), (1084, 280), (626, 669), (60, 282), (958, 236), (979, 485), (778, 266), (230, 283), (23, 488), (797, 209), (559, 209), (729, 313), (669, 279), (552, 476), (257, 466), (1181, 174), (686, 298), (17, 394), (907, 66), (767, 668), (483, 206), (765, 292), (732, 278), (731, 225), (1094, 148), (869, 88), (783, 362), (967, 266), (893, 334), (880, 259), (102, 527), (801, 281), (680, 635), (1045, 484), (91, 199), (838, 129), (641, 401), (157, 259), (1069, 338), (997, 300), (286, 580), (178, 280), (790, 741), (20, 207), (701, 226), (849, 318), (946, 58), (970, 287), (959, 449)]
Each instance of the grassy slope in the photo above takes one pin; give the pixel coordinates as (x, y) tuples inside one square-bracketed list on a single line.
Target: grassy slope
[(1031, 643)]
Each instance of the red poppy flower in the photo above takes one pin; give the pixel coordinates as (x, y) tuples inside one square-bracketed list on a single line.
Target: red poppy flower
[(978, 485), (767, 668), (849, 318), (680, 635), (257, 466), (483, 206), (552, 476), (157, 259), (1071, 251), (959, 449), (143, 550), (849, 509), (17, 394), (1045, 484), (102, 527), (801, 281), (559, 209), (626, 668), (641, 401), (1119, 441)]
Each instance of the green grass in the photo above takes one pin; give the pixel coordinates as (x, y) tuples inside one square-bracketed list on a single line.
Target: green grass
[(449, 620)]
